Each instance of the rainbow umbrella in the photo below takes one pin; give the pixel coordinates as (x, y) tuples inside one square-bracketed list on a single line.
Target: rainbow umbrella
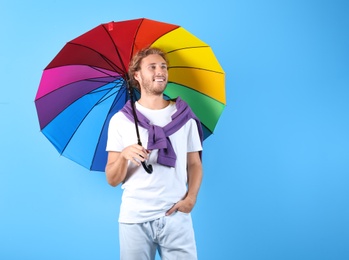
[(85, 84)]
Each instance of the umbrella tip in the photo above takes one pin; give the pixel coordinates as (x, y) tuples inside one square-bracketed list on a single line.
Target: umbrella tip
[(111, 26)]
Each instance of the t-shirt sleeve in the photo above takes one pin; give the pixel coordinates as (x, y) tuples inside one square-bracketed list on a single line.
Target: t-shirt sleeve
[(114, 141), (194, 142)]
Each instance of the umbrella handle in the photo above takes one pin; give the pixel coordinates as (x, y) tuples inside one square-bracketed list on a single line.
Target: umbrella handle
[(148, 168)]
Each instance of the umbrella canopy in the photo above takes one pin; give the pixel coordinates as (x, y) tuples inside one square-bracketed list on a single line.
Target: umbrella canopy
[(85, 84)]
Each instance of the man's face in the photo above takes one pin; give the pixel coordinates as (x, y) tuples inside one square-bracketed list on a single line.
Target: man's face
[(153, 75)]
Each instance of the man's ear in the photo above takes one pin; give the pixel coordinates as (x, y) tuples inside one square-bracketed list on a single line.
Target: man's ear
[(136, 76)]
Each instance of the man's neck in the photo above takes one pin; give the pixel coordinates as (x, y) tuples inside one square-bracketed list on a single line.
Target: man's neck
[(153, 102)]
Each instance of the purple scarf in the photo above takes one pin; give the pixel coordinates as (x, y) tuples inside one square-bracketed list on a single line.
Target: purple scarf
[(158, 137)]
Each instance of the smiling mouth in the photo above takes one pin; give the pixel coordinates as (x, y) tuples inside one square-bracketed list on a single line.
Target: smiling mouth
[(159, 79)]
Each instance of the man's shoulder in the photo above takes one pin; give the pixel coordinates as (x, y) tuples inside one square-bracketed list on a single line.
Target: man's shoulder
[(119, 117)]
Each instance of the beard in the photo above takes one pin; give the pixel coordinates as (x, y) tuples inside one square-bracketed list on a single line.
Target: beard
[(153, 87)]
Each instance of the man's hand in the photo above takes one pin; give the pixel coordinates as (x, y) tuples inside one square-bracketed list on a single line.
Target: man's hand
[(135, 153), (186, 205), (117, 163)]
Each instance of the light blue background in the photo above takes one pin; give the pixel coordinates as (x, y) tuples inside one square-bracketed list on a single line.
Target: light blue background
[(276, 169)]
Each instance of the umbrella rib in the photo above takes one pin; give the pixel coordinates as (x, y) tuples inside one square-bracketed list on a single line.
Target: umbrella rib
[(101, 70), (105, 120), (123, 69), (194, 68), (190, 47), (105, 97), (71, 137), (90, 80), (63, 86), (96, 80), (134, 38), (197, 92), (97, 91), (112, 64)]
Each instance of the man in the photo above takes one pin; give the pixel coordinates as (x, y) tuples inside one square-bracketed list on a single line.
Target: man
[(155, 208)]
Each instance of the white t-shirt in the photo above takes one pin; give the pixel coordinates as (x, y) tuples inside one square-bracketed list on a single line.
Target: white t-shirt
[(148, 196)]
